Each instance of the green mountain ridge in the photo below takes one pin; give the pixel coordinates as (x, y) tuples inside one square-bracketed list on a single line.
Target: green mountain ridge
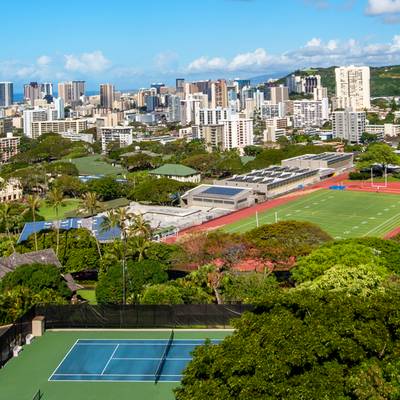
[(385, 81)]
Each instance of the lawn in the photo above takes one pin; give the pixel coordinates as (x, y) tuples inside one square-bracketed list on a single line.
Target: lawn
[(49, 213), (89, 295), (94, 165), (343, 214), (23, 376)]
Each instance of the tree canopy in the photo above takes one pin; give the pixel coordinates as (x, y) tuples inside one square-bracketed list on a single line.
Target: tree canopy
[(303, 345)]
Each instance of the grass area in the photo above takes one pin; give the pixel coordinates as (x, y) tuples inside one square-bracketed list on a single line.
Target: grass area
[(343, 214), (48, 212), (89, 295), (23, 376), (94, 165)]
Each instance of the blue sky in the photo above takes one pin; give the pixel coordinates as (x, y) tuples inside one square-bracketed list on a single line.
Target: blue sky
[(132, 43)]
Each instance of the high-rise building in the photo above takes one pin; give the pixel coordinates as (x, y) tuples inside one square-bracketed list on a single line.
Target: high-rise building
[(174, 108), (219, 94), (310, 82), (353, 87), (279, 94), (310, 113), (238, 132), (60, 107), (348, 125), (157, 86), (32, 92), (180, 85), (71, 92), (106, 95), (6, 94)]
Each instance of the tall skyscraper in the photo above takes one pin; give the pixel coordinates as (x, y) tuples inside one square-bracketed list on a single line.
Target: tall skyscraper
[(71, 92), (348, 125), (32, 92), (219, 94), (279, 94), (106, 95), (180, 85), (59, 106), (353, 87), (6, 94)]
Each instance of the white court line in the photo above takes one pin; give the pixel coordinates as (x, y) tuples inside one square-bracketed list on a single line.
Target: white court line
[(147, 340), (116, 381), (58, 366), (157, 358), (109, 360), (136, 344), (116, 375)]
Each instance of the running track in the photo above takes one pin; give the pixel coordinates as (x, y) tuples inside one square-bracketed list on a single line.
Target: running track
[(250, 211), (392, 187)]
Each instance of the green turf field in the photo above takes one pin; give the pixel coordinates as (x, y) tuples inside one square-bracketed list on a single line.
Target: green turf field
[(23, 376), (94, 165), (343, 214), (49, 213)]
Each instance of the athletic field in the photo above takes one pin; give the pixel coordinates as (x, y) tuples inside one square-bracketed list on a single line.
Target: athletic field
[(343, 214), (105, 365)]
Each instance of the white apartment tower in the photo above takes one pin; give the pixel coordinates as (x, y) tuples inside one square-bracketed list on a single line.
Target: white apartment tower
[(348, 125), (238, 132), (353, 88)]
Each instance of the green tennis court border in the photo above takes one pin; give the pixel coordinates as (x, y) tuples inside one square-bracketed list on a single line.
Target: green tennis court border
[(343, 214), (23, 376)]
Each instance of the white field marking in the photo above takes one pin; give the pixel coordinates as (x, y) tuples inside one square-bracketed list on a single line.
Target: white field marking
[(371, 218), (386, 209), (58, 366), (288, 215), (364, 222), (382, 224), (347, 232), (307, 207), (355, 227), (338, 237), (379, 214), (109, 360), (265, 214)]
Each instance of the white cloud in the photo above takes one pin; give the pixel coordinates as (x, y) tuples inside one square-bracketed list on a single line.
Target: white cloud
[(94, 62), (166, 61), (380, 7), (43, 60), (316, 52)]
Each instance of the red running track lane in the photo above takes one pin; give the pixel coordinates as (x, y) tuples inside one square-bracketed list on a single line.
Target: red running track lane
[(362, 186), (250, 211)]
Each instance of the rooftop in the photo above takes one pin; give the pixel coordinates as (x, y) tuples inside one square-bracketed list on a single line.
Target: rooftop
[(174, 170)]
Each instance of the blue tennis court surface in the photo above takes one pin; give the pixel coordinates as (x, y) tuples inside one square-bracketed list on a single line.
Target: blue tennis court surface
[(126, 360)]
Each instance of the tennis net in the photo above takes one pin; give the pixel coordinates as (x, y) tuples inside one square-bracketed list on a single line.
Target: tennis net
[(160, 366), (38, 395)]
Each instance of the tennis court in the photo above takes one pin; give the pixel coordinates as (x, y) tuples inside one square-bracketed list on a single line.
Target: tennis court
[(116, 360), (343, 214), (79, 353)]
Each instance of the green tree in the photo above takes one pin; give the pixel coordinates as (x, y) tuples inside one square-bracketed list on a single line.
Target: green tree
[(161, 294), (69, 185), (287, 239), (320, 260), (303, 345), (55, 198), (36, 277), (109, 289), (378, 153), (107, 188), (33, 202)]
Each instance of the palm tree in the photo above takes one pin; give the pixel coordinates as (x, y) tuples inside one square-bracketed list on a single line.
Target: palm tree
[(5, 218), (119, 219), (91, 206), (140, 227), (33, 202), (55, 198)]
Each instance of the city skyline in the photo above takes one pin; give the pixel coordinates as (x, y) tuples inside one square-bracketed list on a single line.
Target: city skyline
[(237, 39)]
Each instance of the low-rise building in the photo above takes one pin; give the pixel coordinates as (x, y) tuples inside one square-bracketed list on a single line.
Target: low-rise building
[(273, 181), (38, 128), (177, 172), (10, 190), (219, 196), (336, 161)]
